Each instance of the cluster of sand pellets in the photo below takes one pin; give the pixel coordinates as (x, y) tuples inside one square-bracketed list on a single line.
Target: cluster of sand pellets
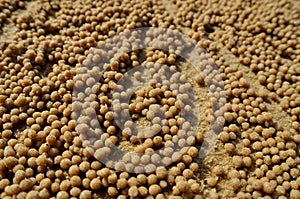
[(63, 132)]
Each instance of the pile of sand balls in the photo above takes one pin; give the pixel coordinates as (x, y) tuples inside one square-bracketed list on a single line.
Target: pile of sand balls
[(164, 99), (155, 125), (46, 153)]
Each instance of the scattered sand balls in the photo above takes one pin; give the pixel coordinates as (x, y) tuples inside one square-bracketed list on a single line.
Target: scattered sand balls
[(254, 46)]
